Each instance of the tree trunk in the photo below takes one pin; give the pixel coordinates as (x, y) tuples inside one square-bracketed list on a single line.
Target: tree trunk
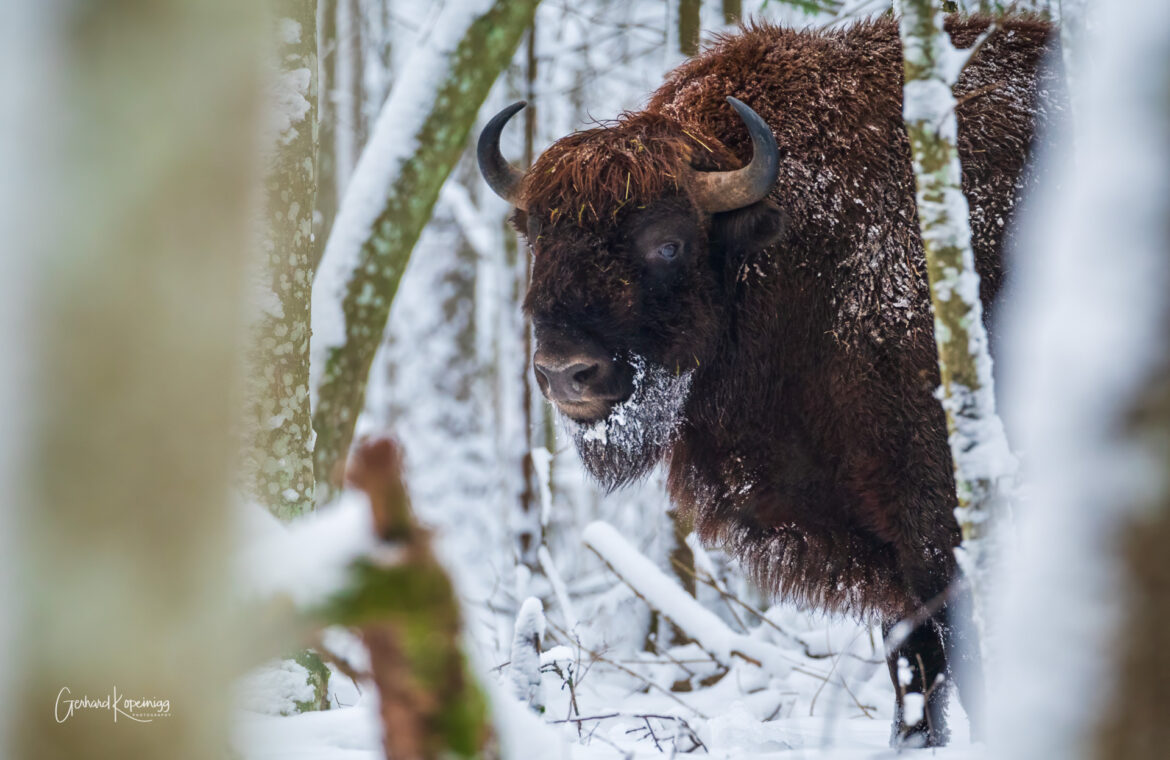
[(1083, 638), (688, 27), (280, 456), (328, 192), (982, 460), (142, 208), (1073, 24), (369, 245), (529, 523), (732, 11)]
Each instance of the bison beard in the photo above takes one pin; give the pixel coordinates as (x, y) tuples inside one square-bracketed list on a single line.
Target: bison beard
[(627, 443)]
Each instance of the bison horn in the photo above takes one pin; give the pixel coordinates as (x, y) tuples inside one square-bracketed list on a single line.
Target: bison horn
[(727, 191), (501, 176)]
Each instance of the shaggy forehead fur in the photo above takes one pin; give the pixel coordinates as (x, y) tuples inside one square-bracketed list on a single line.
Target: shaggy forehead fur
[(598, 175)]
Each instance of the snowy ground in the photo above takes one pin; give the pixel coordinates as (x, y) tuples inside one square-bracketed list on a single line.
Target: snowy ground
[(805, 712)]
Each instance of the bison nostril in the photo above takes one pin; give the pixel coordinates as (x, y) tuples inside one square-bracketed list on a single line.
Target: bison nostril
[(583, 375)]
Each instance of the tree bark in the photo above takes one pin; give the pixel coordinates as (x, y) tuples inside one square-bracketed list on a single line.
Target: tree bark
[(688, 27), (144, 217), (367, 252), (328, 192), (529, 520), (732, 11), (280, 459), (982, 459)]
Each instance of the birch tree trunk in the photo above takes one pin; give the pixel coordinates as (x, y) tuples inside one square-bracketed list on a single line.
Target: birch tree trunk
[(280, 456), (142, 207), (982, 460), (418, 137)]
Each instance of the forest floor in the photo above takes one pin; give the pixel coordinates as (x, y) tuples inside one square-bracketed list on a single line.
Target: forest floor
[(833, 702)]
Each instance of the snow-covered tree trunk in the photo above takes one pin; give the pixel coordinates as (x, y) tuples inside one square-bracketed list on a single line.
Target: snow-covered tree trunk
[(280, 455), (417, 139), (1074, 21), (1083, 634), (140, 139), (983, 462)]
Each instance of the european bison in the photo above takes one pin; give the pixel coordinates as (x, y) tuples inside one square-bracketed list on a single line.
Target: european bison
[(741, 291)]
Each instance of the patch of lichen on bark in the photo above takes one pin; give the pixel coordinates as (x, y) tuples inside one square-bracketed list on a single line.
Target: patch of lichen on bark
[(279, 461), (483, 52)]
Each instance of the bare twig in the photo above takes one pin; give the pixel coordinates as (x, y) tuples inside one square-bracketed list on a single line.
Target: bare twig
[(599, 658)]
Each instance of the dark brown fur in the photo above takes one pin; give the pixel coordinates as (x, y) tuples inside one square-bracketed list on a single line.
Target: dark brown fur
[(811, 442)]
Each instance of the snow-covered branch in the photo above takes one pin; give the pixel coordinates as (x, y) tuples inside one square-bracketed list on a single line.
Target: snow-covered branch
[(682, 609)]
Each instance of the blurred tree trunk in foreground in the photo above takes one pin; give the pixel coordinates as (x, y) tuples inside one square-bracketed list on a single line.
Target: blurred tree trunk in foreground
[(144, 216), (982, 459), (369, 246), (1087, 595), (1135, 724), (280, 457)]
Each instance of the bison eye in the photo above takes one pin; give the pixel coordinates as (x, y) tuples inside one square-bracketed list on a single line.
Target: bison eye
[(667, 251)]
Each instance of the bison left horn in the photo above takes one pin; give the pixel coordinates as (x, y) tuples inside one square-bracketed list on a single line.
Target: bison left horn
[(727, 191), (502, 177)]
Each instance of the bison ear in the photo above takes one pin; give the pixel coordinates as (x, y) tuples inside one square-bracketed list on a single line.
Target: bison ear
[(519, 221), (747, 229)]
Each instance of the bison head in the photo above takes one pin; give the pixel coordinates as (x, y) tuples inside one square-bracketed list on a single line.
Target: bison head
[(634, 227)]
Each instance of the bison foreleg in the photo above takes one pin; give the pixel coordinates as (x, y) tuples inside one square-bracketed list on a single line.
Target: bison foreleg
[(918, 667)]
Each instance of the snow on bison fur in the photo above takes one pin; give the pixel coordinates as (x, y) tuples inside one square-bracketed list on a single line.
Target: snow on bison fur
[(732, 281)]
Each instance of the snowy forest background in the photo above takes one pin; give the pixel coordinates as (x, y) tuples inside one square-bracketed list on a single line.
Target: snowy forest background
[(153, 287)]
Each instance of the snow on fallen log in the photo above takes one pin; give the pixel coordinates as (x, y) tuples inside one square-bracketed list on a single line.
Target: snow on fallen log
[(679, 607)]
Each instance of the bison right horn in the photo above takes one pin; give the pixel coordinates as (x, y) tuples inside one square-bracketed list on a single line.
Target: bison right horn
[(502, 177), (727, 191)]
